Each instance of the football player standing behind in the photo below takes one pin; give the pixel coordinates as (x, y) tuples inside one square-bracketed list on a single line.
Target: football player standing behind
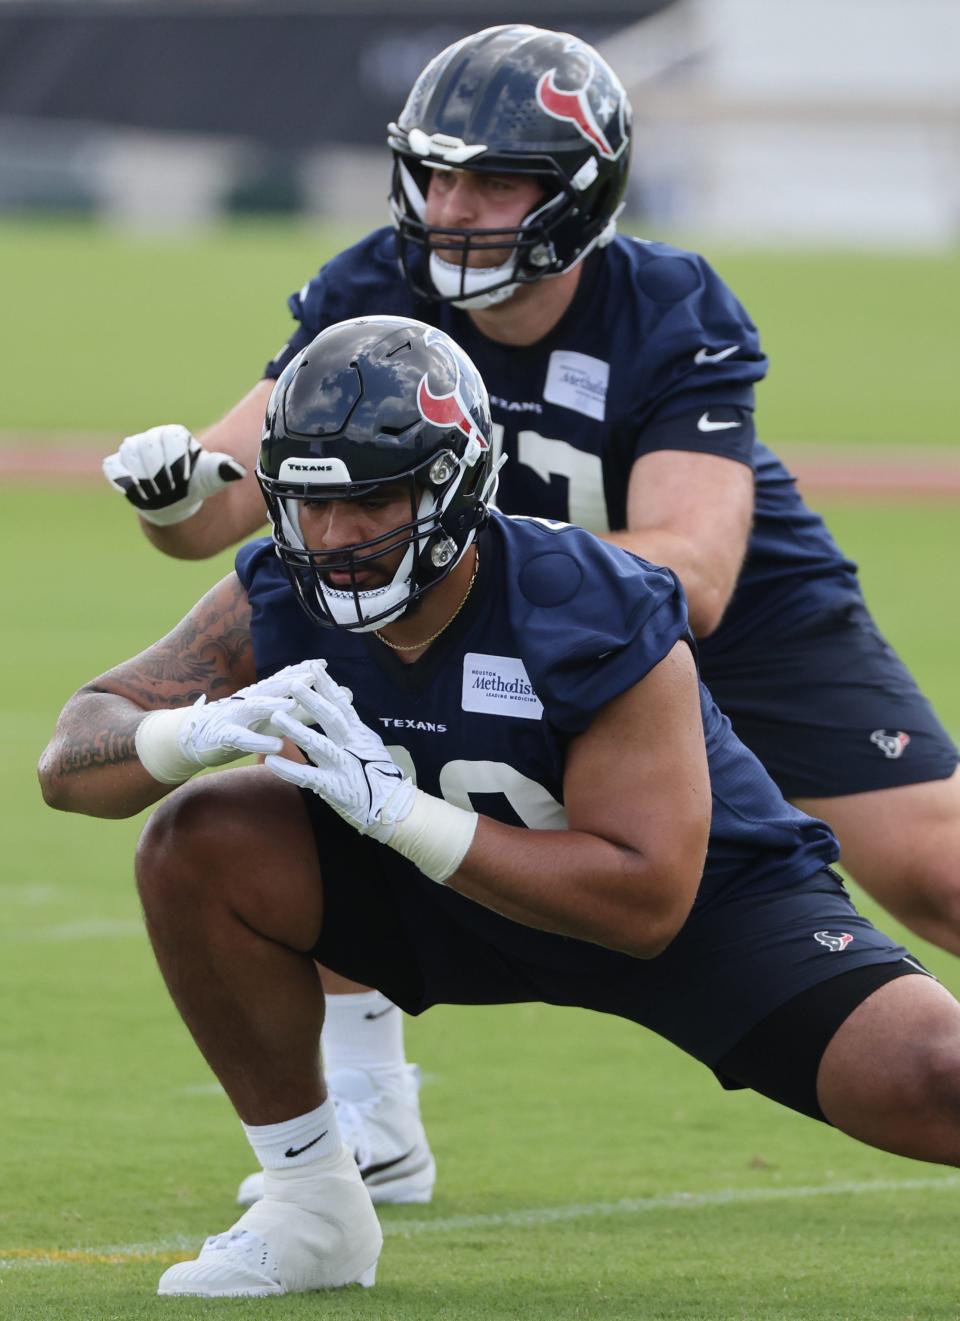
[(621, 375)]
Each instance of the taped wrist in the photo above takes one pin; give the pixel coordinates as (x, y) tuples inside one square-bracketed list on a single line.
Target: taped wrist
[(176, 513), (435, 836), (158, 745)]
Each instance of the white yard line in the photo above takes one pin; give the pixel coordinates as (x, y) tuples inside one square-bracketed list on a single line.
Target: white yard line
[(547, 1215), (180, 1246)]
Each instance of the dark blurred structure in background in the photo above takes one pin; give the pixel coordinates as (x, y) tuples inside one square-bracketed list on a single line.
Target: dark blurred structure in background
[(176, 110), (281, 75), (836, 120)]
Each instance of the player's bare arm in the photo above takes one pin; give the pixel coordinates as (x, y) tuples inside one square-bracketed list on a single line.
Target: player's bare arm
[(637, 798), (201, 508), (694, 513), (91, 764)]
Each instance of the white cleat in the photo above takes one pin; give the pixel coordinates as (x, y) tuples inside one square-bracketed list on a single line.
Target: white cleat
[(314, 1228), (381, 1124), (235, 1264)]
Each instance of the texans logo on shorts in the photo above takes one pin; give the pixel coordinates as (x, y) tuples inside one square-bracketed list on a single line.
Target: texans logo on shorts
[(891, 745), (574, 108), (835, 941), (448, 410)]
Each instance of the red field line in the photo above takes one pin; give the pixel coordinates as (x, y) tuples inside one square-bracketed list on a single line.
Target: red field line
[(882, 473)]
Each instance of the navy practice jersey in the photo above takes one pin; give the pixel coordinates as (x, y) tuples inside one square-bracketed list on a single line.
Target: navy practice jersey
[(654, 353), (557, 625)]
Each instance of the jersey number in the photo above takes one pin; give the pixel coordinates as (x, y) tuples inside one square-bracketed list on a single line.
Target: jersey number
[(533, 804), (557, 458)]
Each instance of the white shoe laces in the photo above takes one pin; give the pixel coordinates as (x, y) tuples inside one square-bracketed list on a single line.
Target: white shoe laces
[(352, 1118), (234, 1239)]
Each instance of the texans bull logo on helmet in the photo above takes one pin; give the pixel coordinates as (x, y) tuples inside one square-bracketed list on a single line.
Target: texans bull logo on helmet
[(574, 107), (450, 409)]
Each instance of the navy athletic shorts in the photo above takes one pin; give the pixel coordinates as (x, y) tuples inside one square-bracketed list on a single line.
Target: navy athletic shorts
[(831, 709), (736, 961)]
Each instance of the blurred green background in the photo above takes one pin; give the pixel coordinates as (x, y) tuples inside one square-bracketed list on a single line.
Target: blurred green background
[(111, 333)]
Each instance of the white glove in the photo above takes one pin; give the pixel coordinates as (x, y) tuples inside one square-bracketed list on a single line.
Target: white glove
[(354, 773), (308, 672), (352, 770), (173, 744), (166, 474)]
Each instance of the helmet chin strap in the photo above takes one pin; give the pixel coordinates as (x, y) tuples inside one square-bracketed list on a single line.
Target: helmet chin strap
[(343, 606), (348, 609), (394, 596), (449, 279), (447, 276)]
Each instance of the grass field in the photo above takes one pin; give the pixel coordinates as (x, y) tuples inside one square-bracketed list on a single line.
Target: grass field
[(113, 334), (587, 1170)]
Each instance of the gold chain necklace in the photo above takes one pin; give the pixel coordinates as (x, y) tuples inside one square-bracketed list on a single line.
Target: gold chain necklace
[(415, 646)]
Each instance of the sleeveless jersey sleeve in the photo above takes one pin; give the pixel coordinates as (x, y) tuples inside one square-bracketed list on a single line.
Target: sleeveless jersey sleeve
[(702, 357), (249, 557), (281, 632), (591, 620)]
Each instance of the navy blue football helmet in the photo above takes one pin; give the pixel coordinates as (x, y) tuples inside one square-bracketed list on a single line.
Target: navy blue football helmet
[(510, 100), (375, 401)]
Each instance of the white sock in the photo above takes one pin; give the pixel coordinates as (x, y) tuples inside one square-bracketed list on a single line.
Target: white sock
[(296, 1141), (363, 1031)]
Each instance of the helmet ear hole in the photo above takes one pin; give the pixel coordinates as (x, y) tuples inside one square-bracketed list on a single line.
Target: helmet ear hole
[(442, 469)]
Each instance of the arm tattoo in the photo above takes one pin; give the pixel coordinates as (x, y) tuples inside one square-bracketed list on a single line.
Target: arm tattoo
[(105, 749), (91, 738), (210, 652)]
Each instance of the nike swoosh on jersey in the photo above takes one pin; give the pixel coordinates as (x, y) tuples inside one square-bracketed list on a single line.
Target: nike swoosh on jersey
[(704, 424), (703, 356)]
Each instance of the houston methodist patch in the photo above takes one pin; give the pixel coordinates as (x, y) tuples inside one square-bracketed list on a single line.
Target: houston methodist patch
[(498, 686), (578, 382)]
